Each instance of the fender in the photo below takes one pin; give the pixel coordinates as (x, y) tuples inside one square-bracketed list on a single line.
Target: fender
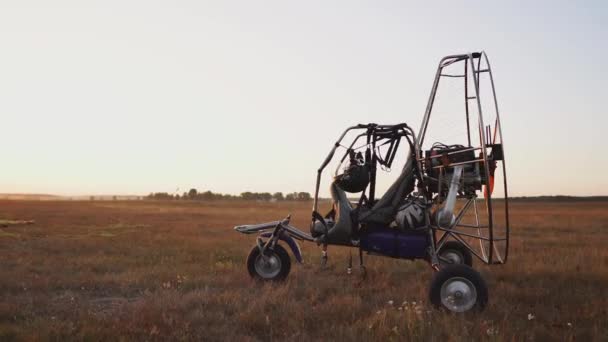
[(254, 228), (291, 242)]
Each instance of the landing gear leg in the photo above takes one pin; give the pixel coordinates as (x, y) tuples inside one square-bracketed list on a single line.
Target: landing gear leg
[(361, 267), (324, 257), (349, 269)]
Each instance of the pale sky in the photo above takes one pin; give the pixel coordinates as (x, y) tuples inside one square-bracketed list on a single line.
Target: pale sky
[(130, 97)]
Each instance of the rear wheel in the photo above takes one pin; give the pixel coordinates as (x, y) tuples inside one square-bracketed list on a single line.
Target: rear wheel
[(454, 252), (458, 289), (274, 265)]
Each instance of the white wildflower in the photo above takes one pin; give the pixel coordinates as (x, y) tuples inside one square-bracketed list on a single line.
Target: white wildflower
[(492, 331), (531, 317)]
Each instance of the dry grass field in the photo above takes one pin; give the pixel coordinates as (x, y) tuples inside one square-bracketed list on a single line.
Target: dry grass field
[(176, 271)]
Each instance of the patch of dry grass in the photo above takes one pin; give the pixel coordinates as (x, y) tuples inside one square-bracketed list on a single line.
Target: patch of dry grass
[(175, 270)]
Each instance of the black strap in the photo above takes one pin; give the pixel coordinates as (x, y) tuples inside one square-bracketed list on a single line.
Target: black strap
[(354, 214), (391, 153), (317, 216)]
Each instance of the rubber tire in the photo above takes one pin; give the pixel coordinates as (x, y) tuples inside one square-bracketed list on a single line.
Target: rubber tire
[(462, 271), (280, 252), (460, 248)]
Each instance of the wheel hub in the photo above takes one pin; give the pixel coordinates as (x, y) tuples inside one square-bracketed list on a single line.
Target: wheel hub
[(268, 266), (458, 294), (453, 256)]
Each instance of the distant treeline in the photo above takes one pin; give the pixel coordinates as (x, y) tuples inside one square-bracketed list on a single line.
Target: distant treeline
[(560, 198), (194, 195)]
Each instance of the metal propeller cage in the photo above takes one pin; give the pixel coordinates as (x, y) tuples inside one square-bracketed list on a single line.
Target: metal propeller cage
[(481, 224)]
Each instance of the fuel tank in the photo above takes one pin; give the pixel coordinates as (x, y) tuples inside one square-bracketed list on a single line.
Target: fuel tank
[(395, 243)]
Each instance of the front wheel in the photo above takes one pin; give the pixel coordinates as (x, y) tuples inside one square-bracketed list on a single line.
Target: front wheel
[(458, 288), (274, 265), (454, 252)]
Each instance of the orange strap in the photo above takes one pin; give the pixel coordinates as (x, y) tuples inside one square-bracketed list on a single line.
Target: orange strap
[(490, 185)]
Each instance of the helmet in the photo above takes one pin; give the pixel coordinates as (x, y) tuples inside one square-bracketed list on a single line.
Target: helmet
[(356, 175)]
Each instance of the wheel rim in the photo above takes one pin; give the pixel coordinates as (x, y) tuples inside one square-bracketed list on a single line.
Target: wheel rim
[(458, 294), (269, 266), (454, 257)]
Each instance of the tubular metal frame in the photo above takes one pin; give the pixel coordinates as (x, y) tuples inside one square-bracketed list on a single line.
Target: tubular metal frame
[(408, 133)]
